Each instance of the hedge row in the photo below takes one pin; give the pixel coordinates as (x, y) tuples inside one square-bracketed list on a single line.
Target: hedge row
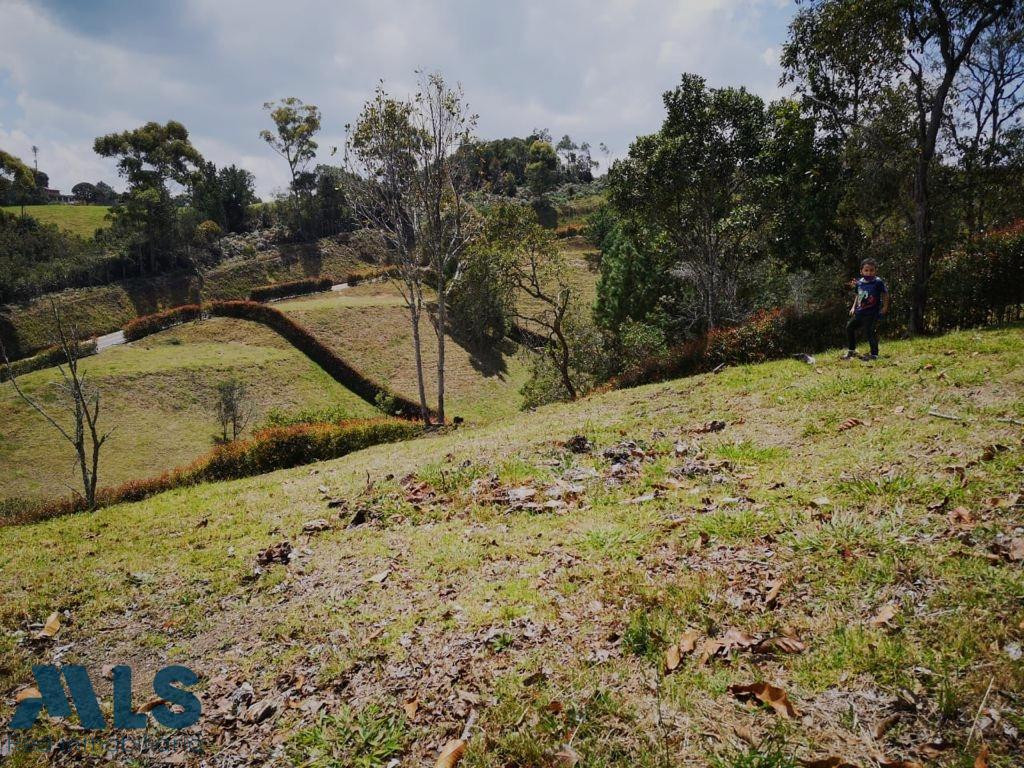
[(316, 351), (160, 321), (291, 288), (766, 336), (268, 450), (48, 358), (357, 276)]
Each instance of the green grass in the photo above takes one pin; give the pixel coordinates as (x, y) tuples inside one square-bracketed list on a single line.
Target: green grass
[(81, 220), (552, 624), (369, 326), (157, 395)]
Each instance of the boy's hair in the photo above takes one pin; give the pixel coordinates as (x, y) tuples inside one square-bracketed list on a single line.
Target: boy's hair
[(869, 263)]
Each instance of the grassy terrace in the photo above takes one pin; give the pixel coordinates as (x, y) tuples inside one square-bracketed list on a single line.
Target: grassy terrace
[(369, 326), (887, 553), (158, 395), (82, 220)]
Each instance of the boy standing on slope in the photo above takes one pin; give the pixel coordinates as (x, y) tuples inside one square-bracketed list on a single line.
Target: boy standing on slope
[(872, 302)]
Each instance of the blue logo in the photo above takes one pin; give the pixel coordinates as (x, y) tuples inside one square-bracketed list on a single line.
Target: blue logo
[(52, 697)]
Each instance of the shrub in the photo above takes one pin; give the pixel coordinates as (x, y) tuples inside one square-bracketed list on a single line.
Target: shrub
[(765, 336), (313, 348), (291, 288), (357, 276), (979, 283), (48, 358), (331, 414), (147, 325), (266, 451)]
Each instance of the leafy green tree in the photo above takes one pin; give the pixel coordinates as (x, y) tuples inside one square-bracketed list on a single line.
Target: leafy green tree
[(295, 125), (148, 158), (84, 192), (695, 183), (238, 193), (542, 168), (15, 177)]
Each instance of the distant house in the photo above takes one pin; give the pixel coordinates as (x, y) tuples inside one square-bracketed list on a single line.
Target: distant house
[(54, 196)]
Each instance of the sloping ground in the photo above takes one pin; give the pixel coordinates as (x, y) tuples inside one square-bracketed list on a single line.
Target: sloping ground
[(870, 569), (81, 220), (158, 394), (25, 328), (369, 326)]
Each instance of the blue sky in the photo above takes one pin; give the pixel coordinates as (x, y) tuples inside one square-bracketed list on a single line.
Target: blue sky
[(71, 70)]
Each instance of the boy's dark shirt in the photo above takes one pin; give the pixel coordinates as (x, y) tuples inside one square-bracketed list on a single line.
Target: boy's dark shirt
[(869, 295)]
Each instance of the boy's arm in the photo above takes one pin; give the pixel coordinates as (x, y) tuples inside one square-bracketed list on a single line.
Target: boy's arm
[(853, 307), (885, 303)]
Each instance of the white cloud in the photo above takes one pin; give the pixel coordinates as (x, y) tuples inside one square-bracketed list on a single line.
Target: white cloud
[(593, 69)]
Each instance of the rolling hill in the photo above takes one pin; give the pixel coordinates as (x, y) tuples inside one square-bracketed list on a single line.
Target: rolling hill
[(778, 563), (158, 394), (81, 220)]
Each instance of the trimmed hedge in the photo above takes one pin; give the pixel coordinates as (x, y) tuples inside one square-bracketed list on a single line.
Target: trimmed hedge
[(358, 276), (147, 325), (291, 288), (48, 358), (315, 350), (268, 450), (767, 335)]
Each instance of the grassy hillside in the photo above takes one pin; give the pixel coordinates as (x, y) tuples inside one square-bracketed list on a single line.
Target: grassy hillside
[(369, 326), (869, 569), (157, 393), (98, 310), (82, 220)]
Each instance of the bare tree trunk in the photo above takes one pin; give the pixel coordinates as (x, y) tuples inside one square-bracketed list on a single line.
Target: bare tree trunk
[(424, 410), (442, 324), (922, 249)]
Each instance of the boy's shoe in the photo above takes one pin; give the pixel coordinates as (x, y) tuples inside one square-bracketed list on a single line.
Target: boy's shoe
[(868, 358), (848, 355)]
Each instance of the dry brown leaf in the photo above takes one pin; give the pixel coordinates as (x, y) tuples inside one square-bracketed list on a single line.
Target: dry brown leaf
[(981, 761), (688, 641), (780, 643), (961, 517), (411, 707), (51, 627), (770, 695), (894, 763), (451, 754), (827, 762), (884, 725), (885, 615), (734, 638), (706, 650), (850, 424), (27, 693), (152, 704), (567, 757), (772, 595), (1015, 550), (672, 657)]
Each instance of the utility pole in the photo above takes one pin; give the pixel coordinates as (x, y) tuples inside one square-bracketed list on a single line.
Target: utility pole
[(35, 155)]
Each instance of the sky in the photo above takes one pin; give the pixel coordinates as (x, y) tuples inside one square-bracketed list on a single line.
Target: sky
[(71, 70)]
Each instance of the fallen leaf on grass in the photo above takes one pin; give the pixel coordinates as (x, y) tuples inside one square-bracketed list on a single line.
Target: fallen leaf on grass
[(885, 615), (767, 694), (827, 762), (716, 425), (411, 707), (780, 643), (886, 762), (1015, 549), (935, 506), (27, 693), (275, 553), (961, 517), (884, 725), (772, 594), (734, 638), (567, 757), (850, 424), (451, 754), (51, 627), (379, 577), (672, 657), (981, 761), (315, 526), (152, 704)]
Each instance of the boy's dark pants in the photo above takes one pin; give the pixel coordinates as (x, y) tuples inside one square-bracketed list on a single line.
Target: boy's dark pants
[(866, 321)]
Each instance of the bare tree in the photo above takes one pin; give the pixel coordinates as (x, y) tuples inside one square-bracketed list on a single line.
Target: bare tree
[(447, 224), (381, 163), (403, 181), (233, 408), (82, 402)]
